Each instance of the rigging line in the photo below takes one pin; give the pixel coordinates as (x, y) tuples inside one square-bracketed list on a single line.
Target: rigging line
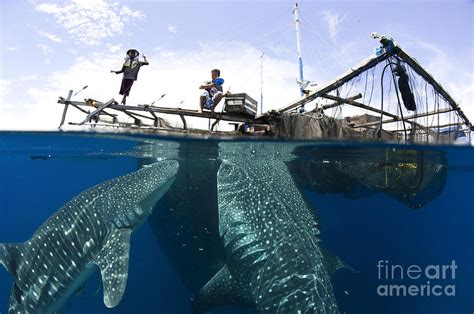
[(426, 102), (311, 53), (381, 98), (373, 85), (435, 99), (437, 104), (263, 38), (398, 98), (257, 40), (326, 47), (315, 51), (365, 88), (333, 45), (352, 85), (281, 37), (414, 83), (245, 27), (321, 35)]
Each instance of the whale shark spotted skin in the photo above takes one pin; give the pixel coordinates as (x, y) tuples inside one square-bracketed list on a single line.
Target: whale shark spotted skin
[(93, 229), (274, 261)]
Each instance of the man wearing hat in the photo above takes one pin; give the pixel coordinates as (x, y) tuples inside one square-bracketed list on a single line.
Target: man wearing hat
[(130, 69)]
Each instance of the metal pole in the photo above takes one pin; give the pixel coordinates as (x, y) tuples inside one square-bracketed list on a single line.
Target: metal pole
[(261, 83), (298, 45)]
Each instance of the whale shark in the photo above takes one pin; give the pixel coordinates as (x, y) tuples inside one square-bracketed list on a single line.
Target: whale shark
[(90, 231), (274, 261)]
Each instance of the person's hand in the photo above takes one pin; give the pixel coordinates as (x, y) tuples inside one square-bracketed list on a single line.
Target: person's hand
[(112, 71)]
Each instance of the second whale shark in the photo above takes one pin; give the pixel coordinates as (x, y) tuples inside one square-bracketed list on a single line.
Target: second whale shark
[(271, 237), (93, 229)]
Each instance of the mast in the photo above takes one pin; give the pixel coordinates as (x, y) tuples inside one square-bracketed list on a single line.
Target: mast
[(298, 46), (261, 83)]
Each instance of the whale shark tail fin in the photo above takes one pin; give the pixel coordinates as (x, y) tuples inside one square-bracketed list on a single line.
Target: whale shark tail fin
[(9, 253)]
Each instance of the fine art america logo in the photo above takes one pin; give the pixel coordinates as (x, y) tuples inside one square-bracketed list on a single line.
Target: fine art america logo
[(416, 280)]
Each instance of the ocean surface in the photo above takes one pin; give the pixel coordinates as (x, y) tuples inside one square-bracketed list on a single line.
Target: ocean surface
[(397, 218)]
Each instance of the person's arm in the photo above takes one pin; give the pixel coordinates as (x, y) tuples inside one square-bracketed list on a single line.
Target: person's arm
[(207, 85), (145, 61), (118, 72)]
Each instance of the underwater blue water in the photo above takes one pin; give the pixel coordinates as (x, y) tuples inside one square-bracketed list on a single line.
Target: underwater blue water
[(364, 211)]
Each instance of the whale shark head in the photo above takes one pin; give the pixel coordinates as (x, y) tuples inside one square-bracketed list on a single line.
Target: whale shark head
[(130, 199), (151, 182)]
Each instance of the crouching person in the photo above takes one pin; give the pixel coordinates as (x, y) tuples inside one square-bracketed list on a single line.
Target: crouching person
[(212, 91)]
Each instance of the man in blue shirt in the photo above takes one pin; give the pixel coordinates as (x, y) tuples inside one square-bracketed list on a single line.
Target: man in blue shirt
[(212, 93)]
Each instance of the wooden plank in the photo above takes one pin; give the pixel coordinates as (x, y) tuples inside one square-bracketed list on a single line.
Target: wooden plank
[(173, 111), (419, 115), (337, 103), (359, 105), (80, 109), (366, 64), (101, 107), (422, 72), (66, 104), (134, 115)]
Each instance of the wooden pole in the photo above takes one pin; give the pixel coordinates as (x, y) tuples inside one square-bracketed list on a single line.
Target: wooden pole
[(338, 103), (172, 111), (359, 105), (419, 115), (66, 104), (101, 107), (366, 64)]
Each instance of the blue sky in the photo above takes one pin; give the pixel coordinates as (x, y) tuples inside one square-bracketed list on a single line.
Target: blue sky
[(48, 47)]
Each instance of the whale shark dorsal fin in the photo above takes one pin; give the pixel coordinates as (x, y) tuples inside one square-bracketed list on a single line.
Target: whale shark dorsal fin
[(9, 253), (223, 289), (113, 263)]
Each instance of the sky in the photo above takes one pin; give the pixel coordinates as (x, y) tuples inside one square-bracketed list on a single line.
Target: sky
[(50, 47)]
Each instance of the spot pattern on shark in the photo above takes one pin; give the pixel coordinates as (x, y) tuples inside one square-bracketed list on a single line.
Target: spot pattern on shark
[(93, 229), (271, 237)]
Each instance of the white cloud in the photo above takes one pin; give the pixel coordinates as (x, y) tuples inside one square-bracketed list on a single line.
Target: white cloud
[(114, 48), (333, 21), (4, 87), (455, 78), (49, 36), (178, 77), (12, 49), (46, 49), (164, 52), (172, 29), (91, 21)]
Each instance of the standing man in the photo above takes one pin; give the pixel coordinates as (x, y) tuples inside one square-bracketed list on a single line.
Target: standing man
[(212, 93), (130, 69)]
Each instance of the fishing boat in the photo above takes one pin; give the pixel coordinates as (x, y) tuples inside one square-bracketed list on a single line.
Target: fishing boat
[(388, 96)]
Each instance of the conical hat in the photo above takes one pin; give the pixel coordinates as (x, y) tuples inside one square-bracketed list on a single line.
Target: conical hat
[(133, 49)]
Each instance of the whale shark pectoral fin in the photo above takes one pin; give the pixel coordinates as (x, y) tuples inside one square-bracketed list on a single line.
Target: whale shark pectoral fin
[(15, 305), (332, 263), (113, 263), (223, 288)]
